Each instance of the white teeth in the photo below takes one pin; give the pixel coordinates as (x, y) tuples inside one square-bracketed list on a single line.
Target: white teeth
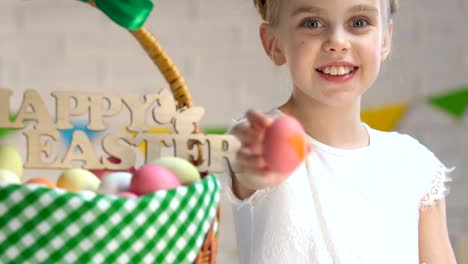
[(341, 70)]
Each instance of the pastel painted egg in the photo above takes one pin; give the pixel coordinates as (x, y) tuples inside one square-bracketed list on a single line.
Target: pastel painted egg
[(7, 176), (11, 160), (153, 178), (75, 180), (115, 182), (42, 181), (103, 172), (127, 195), (285, 145), (183, 169), (100, 173)]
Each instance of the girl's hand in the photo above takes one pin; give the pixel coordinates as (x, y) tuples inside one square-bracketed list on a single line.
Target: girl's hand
[(254, 174)]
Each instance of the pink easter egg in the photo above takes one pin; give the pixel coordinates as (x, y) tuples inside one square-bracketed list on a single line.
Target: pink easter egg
[(152, 178), (285, 145), (128, 195)]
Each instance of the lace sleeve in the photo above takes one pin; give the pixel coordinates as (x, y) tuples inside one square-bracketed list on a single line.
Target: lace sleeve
[(226, 186), (439, 187)]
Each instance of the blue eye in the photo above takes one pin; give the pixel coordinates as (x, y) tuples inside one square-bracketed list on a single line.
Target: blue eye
[(311, 23), (360, 22)]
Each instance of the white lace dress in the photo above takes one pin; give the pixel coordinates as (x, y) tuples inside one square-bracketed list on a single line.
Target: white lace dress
[(342, 206)]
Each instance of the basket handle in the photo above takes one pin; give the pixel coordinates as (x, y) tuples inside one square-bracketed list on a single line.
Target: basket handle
[(165, 66), (164, 63), (173, 77)]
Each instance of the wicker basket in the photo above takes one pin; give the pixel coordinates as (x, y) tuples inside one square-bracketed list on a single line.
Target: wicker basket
[(182, 95), (208, 251), (43, 225)]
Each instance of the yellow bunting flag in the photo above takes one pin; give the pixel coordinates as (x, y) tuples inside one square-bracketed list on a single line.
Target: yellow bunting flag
[(384, 118)]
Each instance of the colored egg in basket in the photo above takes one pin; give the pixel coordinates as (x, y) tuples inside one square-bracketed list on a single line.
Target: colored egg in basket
[(168, 221), (155, 228), (11, 160)]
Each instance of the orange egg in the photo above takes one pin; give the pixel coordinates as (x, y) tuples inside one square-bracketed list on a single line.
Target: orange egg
[(42, 181)]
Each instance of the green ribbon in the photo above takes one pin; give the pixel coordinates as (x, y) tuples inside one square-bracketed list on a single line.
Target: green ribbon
[(454, 102), (130, 14)]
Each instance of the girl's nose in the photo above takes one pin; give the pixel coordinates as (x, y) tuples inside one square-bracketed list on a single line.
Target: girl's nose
[(336, 42)]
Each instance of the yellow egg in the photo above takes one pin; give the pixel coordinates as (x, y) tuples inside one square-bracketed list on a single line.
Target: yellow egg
[(7, 176), (75, 180), (184, 170), (11, 160)]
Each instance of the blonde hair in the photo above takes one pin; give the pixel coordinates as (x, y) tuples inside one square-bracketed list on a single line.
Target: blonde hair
[(269, 9)]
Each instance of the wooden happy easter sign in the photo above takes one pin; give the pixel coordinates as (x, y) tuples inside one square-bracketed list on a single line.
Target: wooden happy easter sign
[(211, 151)]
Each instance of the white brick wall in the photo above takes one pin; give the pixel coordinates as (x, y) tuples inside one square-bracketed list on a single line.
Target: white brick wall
[(51, 45)]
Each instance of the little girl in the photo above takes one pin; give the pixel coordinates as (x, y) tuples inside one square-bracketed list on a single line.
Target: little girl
[(361, 195)]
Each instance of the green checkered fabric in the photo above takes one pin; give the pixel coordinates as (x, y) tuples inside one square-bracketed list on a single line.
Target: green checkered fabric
[(41, 225)]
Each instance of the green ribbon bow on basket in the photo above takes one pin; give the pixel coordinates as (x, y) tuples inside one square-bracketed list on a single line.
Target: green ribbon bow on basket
[(130, 14)]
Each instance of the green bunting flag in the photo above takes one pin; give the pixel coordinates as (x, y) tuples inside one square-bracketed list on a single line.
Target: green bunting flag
[(215, 130), (454, 102), (7, 131), (130, 14)]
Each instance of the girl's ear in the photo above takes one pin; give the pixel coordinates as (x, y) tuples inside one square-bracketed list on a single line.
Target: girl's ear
[(387, 41), (270, 44)]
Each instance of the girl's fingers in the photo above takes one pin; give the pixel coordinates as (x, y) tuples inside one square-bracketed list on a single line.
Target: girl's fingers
[(255, 148), (245, 134), (251, 161), (251, 132), (258, 121), (252, 149)]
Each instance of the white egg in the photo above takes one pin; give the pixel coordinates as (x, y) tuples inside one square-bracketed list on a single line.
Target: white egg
[(114, 183)]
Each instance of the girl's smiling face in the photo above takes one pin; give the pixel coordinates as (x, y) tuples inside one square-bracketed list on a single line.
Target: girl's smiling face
[(333, 48)]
